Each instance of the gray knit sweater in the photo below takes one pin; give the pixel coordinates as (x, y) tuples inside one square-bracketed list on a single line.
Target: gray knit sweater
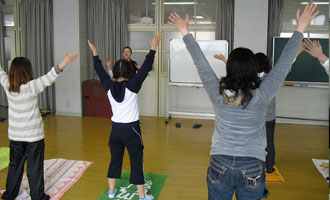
[(242, 132)]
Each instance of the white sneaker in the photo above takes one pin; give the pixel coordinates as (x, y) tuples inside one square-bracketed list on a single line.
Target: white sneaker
[(112, 195), (147, 197)]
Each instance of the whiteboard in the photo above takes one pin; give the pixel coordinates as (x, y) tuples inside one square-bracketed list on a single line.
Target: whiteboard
[(182, 68)]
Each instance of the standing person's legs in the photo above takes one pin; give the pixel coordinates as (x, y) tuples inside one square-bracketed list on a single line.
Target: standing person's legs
[(219, 179), (250, 178), (35, 169), (270, 158), (117, 149), (15, 170), (135, 151)]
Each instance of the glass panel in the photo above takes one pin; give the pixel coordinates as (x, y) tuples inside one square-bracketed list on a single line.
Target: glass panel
[(10, 46), (141, 12), (139, 40), (139, 57), (8, 15), (168, 36), (318, 25), (206, 11), (205, 35), (182, 7), (166, 57)]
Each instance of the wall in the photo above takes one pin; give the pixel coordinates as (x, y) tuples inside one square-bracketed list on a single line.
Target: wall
[(303, 103), (66, 38), (250, 29)]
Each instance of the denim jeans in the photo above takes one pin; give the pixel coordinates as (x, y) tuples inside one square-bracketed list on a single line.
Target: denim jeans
[(243, 175)]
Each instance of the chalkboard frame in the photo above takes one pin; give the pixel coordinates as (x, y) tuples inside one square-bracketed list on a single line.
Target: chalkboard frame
[(300, 82)]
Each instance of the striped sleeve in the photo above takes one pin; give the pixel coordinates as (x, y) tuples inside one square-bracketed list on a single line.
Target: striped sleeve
[(4, 79), (38, 85)]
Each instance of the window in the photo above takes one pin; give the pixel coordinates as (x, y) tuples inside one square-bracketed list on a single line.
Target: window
[(11, 31), (139, 40), (206, 11), (141, 11), (319, 25), (139, 43), (182, 7), (202, 17), (8, 15), (200, 11), (10, 46)]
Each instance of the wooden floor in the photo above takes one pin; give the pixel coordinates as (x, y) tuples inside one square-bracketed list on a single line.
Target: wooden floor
[(182, 153)]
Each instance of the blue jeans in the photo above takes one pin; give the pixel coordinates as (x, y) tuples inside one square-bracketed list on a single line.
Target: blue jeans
[(243, 175)]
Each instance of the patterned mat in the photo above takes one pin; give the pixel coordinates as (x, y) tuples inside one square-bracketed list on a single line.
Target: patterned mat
[(126, 191), (274, 177), (60, 175), (323, 167)]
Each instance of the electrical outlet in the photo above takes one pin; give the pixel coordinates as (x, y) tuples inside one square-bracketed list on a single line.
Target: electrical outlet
[(67, 103)]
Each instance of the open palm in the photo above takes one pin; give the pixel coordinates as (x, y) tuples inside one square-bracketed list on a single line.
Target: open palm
[(179, 23)]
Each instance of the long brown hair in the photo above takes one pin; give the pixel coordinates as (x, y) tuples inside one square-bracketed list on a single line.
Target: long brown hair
[(20, 72)]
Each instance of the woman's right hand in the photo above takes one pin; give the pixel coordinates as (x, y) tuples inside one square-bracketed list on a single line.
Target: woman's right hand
[(220, 57), (155, 41), (92, 48), (67, 59), (306, 17), (108, 63), (179, 23), (314, 49)]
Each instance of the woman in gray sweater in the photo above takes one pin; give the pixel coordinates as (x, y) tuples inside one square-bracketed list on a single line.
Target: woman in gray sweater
[(240, 102)]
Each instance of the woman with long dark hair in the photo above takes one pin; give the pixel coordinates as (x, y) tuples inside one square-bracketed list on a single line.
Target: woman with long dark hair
[(240, 101)]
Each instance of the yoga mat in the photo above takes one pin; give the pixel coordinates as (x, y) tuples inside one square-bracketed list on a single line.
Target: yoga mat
[(59, 174), (274, 177), (126, 191), (4, 157), (323, 167)]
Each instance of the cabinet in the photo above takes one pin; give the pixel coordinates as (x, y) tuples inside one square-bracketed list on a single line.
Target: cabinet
[(96, 102)]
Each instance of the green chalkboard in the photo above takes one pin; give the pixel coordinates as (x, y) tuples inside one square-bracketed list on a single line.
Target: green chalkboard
[(306, 68)]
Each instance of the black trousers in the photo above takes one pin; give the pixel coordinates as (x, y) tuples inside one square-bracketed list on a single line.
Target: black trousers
[(33, 152), (270, 158), (132, 139)]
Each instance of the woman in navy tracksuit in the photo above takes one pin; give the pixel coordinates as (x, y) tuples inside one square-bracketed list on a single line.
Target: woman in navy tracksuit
[(125, 131)]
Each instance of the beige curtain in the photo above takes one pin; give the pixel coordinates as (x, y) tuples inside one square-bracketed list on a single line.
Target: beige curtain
[(107, 29), (225, 13), (37, 42)]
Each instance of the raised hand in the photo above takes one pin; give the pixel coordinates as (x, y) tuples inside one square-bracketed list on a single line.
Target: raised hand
[(138, 65), (155, 41), (179, 23), (92, 48), (220, 57), (314, 48), (306, 17), (108, 63), (67, 59)]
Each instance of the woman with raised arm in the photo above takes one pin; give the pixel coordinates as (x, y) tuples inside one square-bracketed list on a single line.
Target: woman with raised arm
[(125, 130), (240, 101), (25, 124)]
